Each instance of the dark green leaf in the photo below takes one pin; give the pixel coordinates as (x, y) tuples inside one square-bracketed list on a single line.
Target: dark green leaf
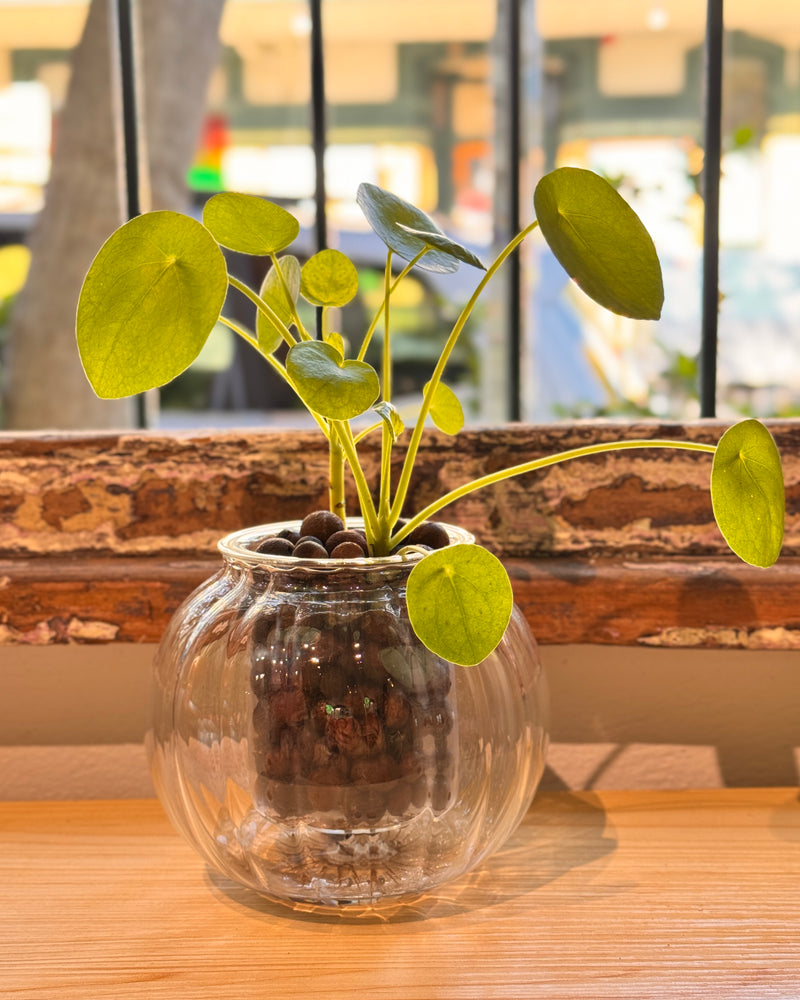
[(600, 242), (248, 224), (396, 221), (441, 242), (149, 301), (747, 492), (459, 602), (329, 279), (328, 385)]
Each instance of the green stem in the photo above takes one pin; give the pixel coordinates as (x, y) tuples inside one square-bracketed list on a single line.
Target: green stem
[(384, 505), (336, 493), (277, 366), (267, 310), (344, 435), (427, 400), (377, 317), (386, 369), (540, 463), (244, 334), (367, 430)]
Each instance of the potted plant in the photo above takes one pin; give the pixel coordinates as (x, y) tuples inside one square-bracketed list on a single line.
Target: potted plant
[(352, 709)]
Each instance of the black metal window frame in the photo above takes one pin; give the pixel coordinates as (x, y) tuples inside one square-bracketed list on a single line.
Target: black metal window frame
[(712, 145)]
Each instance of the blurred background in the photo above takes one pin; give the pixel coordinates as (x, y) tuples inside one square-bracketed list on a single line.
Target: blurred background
[(417, 102)]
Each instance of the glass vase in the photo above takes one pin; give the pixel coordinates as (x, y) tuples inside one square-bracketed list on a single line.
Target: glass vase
[(310, 747)]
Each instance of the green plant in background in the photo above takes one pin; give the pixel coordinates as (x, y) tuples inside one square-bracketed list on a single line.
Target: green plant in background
[(15, 262), (157, 287)]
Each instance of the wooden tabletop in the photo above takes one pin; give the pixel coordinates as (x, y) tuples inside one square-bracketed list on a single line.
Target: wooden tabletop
[(639, 895)]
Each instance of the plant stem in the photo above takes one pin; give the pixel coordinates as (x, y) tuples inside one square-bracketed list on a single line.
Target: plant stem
[(384, 527), (267, 310), (386, 367), (376, 318), (367, 430), (541, 463), (276, 365), (344, 434), (336, 493), (427, 400)]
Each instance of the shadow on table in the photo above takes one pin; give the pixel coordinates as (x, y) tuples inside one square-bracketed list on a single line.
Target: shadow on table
[(562, 831)]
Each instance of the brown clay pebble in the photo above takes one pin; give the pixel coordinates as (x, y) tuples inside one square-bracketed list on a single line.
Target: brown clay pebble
[(429, 533), (347, 550), (322, 524), (309, 548), (291, 533), (347, 536), (276, 547)]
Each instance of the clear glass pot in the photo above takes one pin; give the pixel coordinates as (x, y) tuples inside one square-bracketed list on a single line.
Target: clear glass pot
[(308, 745)]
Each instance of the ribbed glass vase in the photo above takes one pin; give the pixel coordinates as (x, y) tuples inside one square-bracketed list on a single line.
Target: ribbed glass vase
[(310, 747)]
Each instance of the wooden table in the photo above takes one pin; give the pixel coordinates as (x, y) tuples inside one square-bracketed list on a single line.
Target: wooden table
[(622, 894)]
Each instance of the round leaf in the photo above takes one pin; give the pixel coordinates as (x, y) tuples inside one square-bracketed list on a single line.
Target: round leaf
[(747, 492), (148, 303), (248, 224), (274, 294), (328, 385), (336, 340), (329, 279), (446, 411), (397, 223), (600, 242), (459, 602)]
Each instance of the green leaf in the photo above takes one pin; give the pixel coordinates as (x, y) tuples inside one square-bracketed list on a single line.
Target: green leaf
[(274, 294), (441, 242), (327, 384), (329, 279), (397, 223), (446, 411), (336, 340), (600, 242), (390, 416), (248, 224), (149, 301), (747, 492), (459, 602)]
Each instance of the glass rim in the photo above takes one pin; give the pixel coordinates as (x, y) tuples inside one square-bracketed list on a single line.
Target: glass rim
[(237, 546)]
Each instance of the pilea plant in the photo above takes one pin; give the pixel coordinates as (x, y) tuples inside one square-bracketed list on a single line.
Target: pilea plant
[(158, 285)]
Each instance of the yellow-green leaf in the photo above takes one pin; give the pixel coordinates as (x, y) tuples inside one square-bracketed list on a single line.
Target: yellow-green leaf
[(747, 492), (390, 416), (459, 602), (14, 263), (248, 224), (327, 384), (446, 411), (148, 303), (274, 294), (600, 242), (337, 341), (329, 279)]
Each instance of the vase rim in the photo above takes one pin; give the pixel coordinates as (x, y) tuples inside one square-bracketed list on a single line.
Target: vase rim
[(238, 546)]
